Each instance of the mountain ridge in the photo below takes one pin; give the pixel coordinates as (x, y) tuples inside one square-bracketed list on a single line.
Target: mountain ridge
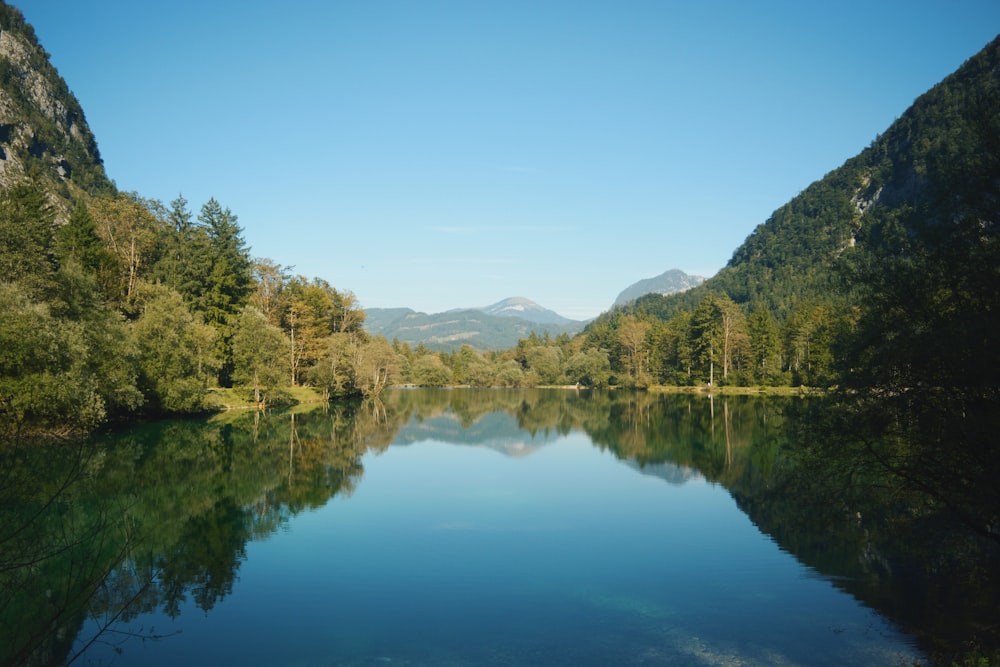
[(519, 306), (497, 326), (669, 282)]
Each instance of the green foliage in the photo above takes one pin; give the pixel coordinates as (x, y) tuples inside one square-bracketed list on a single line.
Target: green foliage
[(336, 371), (46, 382), (260, 354), (130, 232), (430, 371), (546, 363), (173, 352), (227, 280), (78, 239), (27, 239), (377, 366), (591, 368), (110, 349)]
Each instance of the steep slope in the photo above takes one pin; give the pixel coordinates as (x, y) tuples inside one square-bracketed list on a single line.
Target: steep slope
[(932, 149), (43, 132), (665, 284)]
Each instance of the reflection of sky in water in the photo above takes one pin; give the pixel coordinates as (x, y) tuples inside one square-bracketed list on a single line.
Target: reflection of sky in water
[(455, 555)]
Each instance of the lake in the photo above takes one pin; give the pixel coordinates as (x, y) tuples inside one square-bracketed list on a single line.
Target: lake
[(441, 527)]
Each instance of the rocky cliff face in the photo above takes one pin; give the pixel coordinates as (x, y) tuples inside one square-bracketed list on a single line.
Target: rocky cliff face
[(43, 133)]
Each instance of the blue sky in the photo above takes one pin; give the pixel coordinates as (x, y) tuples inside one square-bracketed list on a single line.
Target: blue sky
[(439, 155)]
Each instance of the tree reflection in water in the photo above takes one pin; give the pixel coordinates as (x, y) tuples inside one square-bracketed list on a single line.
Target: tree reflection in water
[(158, 514)]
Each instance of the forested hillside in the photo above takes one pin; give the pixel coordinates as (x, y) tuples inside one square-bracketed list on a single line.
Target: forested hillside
[(899, 243)]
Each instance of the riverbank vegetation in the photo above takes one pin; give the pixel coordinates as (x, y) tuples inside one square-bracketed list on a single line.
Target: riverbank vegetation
[(133, 308)]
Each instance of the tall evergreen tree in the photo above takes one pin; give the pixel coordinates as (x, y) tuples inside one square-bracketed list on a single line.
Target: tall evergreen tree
[(229, 281), (27, 238)]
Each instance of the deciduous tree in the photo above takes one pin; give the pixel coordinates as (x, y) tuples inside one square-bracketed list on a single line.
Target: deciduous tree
[(260, 351)]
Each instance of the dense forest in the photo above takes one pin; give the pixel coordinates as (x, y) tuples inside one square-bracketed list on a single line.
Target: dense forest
[(136, 308)]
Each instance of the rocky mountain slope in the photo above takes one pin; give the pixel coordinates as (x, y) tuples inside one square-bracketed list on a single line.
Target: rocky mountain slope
[(668, 282), (43, 132)]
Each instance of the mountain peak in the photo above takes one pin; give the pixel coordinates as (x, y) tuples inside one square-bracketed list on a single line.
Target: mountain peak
[(526, 309), (668, 282)]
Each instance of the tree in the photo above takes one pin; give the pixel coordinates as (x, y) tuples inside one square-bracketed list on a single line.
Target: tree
[(508, 373), (632, 336), (168, 336), (78, 239), (733, 329), (229, 279), (764, 345), (27, 238), (310, 321), (182, 263), (377, 366), (336, 372), (110, 351), (545, 361), (270, 280), (315, 311), (480, 372), (130, 230), (590, 368), (718, 334), (46, 383), (430, 371), (260, 351), (809, 334)]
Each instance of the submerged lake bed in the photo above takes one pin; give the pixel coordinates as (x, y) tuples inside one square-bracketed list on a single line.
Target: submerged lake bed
[(462, 527)]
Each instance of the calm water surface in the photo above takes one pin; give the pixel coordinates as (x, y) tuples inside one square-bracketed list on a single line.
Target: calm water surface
[(467, 533)]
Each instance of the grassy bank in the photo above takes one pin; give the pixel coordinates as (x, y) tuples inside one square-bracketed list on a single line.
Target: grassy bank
[(232, 399)]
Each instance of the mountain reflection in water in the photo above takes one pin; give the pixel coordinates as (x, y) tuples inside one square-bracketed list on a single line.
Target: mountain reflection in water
[(158, 517)]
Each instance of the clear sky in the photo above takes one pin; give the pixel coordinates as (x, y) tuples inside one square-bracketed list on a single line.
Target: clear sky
[(450, 154)]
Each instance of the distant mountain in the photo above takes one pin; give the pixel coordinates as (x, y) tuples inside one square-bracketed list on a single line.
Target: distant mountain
[(495, 327), (668, 282), (380, 320), (526, 309)]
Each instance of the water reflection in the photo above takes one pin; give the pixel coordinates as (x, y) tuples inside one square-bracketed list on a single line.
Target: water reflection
[(159, 516)]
